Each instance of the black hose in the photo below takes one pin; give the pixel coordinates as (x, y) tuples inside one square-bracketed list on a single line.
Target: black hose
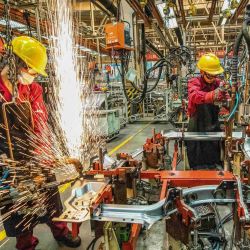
[(92, 244), (145, 86), (224, 220), (245, 27), (235, 58), (159, 64)]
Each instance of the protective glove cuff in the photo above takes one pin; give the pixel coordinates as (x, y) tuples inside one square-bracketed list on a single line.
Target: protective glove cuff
[(209, 97)]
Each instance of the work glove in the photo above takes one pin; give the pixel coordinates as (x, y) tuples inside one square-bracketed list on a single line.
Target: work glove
[(214, 96), (224, 112)]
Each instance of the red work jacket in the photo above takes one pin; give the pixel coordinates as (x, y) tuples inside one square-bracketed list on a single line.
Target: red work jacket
[(197, 89), (33, 94)]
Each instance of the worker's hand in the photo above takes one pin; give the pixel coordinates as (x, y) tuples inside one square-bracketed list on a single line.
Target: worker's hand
[(213, 96), (218, 95), (224, 112)]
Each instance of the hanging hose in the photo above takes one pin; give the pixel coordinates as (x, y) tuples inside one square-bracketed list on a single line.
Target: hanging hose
[(235, 58), (10, 57), (245, 27), (122, 73), (234, 108), (159, 64), (176, 53), (243, 34)]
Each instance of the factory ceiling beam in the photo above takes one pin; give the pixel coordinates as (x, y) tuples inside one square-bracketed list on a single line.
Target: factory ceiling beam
[(135, 5), (161, 35), (215, 28), (139, 11), (17, 15), (240, 8), (230, 27), (212, 10), (181, 6), (81, 6), (107, 5), (155, 12), (154, 49)]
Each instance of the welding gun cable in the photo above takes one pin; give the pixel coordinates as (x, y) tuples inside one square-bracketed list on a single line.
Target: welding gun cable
[(92, 244), (159, 65), (235, 57), (122, 74), (153, 87), (234, 108), (245, 28), (225, 219)]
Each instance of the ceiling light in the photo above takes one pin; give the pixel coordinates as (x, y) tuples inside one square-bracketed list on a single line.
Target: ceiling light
[(170, 20)]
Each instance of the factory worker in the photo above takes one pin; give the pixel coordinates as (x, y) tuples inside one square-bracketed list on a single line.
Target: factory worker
[(31, 60), (204, 93)]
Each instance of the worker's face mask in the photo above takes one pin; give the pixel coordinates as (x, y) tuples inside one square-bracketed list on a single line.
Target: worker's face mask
[(25, 78), (209, 78)]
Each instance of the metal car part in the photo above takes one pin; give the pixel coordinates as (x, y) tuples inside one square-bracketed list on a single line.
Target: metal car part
[(199, 136), (78, 204), (149, 214)]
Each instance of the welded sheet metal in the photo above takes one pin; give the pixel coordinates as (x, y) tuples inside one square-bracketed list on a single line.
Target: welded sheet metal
[(198, 136), (147, 215)]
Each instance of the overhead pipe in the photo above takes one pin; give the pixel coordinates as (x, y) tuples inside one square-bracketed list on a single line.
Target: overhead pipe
[(135, 5), (179, 35)]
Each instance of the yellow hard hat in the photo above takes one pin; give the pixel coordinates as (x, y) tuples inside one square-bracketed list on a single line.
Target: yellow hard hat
[(210, 63), (32, 52)]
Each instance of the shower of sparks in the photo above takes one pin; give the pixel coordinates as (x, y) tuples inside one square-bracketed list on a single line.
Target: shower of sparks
[(73, 125), (69, 87), (73, 104)]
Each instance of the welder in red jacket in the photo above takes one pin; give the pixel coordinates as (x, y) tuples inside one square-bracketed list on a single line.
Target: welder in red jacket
[(203, 94), (31, 60)]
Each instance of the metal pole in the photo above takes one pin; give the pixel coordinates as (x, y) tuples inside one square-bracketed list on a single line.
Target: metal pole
[(92, 18), (38, 28), (99, 55)]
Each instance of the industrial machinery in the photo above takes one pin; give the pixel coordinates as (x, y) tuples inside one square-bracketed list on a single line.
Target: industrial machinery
[(189, 200), (129, 194), (200, 204), (118, 35)]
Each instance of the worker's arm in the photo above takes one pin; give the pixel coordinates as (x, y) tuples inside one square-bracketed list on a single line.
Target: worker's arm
[(197, 96), (40, 115)]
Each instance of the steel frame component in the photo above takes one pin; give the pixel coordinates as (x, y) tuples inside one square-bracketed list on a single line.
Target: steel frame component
[(181, 6), (212, 10), (238, 11), (199, 136)]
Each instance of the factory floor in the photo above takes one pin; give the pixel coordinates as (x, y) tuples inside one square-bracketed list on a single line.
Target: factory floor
[(130, 138)]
